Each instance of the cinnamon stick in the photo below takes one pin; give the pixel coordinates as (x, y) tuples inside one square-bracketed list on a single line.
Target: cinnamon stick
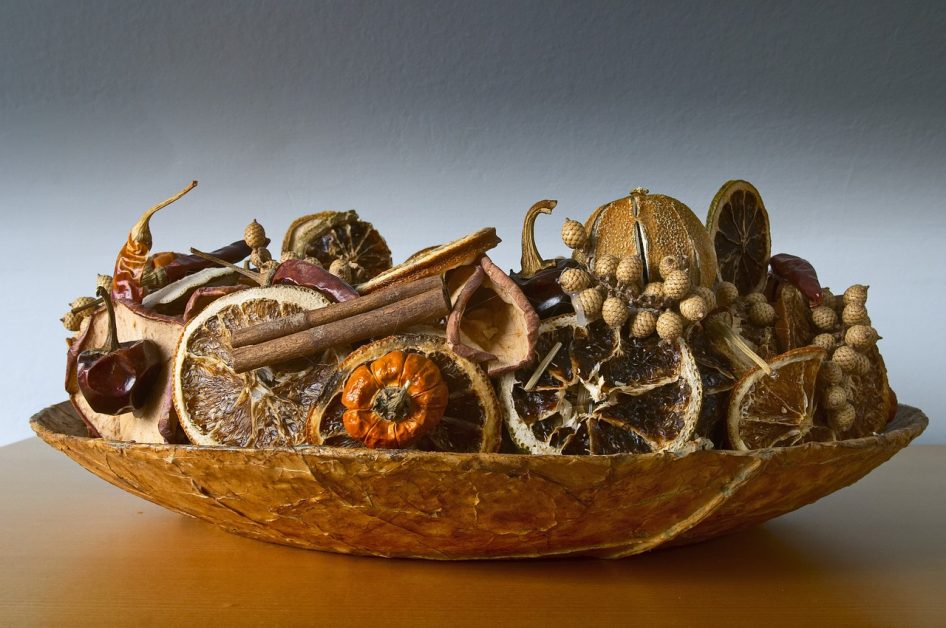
[(337, 311), (383, 321)]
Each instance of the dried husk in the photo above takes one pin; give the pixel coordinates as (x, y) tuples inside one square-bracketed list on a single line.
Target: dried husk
[(492, 320), (461, 506), (156, 421)]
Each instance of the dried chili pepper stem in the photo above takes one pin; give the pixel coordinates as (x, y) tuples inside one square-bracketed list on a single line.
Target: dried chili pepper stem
[(111, 341), (141, 232), (531, 262)]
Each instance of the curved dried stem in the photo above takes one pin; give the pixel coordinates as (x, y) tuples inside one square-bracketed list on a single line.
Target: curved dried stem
[(531, 262), (141, 232)]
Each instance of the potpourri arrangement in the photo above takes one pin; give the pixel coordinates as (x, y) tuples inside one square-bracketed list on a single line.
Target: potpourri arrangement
[(654, 332)]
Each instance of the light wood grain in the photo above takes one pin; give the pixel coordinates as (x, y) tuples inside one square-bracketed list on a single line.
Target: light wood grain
[(77, 551)]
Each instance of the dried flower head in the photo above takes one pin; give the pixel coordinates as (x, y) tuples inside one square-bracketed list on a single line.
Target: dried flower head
[(669, 326), (726, 293), (254, 235), (614, 312), (590, 300), (693, 308), (573, 234), (668, 264), (761, 314), (630, 270), (824, 318), (677, 284), (644, 325), (574, 280)]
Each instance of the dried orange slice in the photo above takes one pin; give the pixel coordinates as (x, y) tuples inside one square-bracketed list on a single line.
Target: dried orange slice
[(330, 236), (435, 260), (775, 410), (471, 421), (261, 408), (593, 399), (738, 226)]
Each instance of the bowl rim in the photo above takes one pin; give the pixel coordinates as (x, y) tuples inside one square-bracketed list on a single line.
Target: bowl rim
[(909, 422)]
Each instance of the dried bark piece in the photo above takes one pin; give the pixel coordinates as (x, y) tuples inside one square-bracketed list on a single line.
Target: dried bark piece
[(156, 421), (492, 320)]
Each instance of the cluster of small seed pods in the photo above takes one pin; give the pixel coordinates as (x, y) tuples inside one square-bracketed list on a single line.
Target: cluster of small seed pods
[(83, 307), (845, 333), (614, 289)]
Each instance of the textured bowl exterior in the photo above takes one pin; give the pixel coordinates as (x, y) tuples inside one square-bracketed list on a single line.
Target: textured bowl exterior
[(468, 506)]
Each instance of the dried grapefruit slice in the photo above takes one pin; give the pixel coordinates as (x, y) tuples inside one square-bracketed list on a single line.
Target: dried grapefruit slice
[(261, 408), (738, 226), (592, 399), (330, 236), (776, 410), (471, 421)]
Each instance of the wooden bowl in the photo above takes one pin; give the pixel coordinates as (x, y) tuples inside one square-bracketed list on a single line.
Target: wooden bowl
[(462, 506)]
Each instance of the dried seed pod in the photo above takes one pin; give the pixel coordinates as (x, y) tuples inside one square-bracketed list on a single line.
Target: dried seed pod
[(653, 289), (694, 308), (709, 297), (668, 264), (846, 357), (82, 302), (605, 266), (855, 314), (861, 364), (254, 235), (259, 257), (860, 337), (574, 280), (834, 397), (103, 281), (726, 293), (630, 269), (831, 372), (591, 301), (669, 326), (824, 318), (644, 325), (842, 419), (341, 269), (677, 284), (761, 314), (71, 322), (755, 297), (856, 294), (825, 341), (573, 234), (614, 312)]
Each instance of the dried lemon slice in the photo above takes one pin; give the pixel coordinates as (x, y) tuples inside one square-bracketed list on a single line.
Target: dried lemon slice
[(738, 226), (471, 421), (776, 410), (591, 399), (330, 236), (261, 408)]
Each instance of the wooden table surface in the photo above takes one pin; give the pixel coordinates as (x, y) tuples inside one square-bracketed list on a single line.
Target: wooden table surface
[(75, 550)]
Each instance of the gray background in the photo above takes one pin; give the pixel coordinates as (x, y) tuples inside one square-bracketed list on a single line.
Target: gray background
[(434, 119)]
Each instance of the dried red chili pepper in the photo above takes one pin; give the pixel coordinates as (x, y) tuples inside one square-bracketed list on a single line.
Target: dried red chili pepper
[(133, 258), (299, 272), (800, 273), (118, 377), (180, 265)]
